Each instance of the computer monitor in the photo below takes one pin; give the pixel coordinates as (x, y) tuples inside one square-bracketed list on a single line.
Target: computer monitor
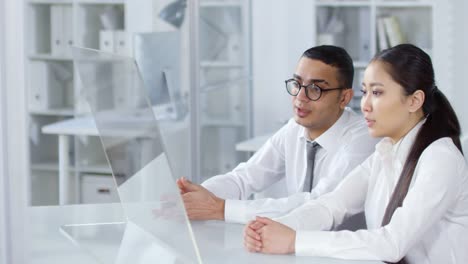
[(157, 57)]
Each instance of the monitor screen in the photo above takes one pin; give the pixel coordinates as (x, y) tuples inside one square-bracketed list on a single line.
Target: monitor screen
[(157, 57)]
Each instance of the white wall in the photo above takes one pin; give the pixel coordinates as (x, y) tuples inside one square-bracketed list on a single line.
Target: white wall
[(14, 130), (4, 235), (281, 32), (460, 35)]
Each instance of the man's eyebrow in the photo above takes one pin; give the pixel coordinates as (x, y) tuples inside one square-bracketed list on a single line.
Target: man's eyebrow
[(311, 80)]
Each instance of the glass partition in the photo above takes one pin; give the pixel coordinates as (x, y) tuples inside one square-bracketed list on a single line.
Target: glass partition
[(156, 229)]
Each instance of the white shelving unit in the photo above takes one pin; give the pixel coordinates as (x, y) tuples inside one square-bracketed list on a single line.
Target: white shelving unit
[(353, 25), (225, 81), (54, 88)]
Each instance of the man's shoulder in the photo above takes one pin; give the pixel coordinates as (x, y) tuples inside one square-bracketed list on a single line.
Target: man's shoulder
[(354, 123), (354, 133)]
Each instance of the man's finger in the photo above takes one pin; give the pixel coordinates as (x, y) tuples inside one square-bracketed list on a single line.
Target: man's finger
[(189, 186)]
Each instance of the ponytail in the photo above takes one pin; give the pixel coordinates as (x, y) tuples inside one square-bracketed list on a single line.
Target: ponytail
[(441, 123)]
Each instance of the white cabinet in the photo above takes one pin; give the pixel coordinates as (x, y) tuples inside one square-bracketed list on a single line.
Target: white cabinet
[(97, 188)]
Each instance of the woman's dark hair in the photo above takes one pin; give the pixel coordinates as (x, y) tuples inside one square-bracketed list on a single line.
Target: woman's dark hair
[(336, 57), (412, 68)]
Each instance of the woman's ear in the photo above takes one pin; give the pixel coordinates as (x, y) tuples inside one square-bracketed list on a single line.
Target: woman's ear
[(416, 101)]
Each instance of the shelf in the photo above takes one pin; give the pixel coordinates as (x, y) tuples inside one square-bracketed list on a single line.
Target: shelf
[(47, 166), (97, 168), (54, 112), (51, 2), (220, 64), (221, 4), (253, 144), (50, 57), (404, 4), (340, 3), (221, 123), (101, 2)]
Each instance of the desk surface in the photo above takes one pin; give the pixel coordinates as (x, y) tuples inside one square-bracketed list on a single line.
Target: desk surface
[(86, 126), (74, 126), (218, 242), (253, 144)]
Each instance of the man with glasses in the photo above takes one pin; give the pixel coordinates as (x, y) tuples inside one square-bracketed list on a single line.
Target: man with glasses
[(313, 151)]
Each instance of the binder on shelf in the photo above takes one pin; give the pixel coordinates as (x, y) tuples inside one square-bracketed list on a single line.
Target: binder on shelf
[(121, 42), (106, 40), (67, 29), (44, 88), (56, 32), (393, 30), (364, 36), (61, 29), (381, 35), (114, 41), (234, 48)]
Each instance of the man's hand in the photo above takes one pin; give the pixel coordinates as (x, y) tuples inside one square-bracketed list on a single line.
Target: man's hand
[(267, 236), (200, 203)]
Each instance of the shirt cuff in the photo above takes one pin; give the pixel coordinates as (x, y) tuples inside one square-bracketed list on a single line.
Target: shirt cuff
[(308, 243), (235, 211)]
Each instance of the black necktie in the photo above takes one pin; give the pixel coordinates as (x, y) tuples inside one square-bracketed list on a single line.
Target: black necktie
[(312, 148)]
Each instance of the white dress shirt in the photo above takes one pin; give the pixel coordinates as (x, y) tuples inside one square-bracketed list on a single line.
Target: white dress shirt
[(342, 147), (430, 227)]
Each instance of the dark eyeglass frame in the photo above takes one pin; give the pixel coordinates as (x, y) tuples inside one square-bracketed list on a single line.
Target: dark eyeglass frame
[(313, 85)]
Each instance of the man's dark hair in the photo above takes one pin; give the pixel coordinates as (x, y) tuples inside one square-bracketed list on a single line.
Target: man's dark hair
[(336, 57)]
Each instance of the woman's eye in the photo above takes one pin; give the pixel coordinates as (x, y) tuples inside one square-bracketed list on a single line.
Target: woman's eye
[(376, 93), (363, 91)]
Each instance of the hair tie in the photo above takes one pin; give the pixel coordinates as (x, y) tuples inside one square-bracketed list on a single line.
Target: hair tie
[(434, 90)]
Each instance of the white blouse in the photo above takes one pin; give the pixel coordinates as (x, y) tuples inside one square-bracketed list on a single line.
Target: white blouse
[(430, 227)]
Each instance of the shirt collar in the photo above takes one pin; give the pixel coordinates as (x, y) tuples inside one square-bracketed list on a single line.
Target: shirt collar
[(330, 140), (400, 150)]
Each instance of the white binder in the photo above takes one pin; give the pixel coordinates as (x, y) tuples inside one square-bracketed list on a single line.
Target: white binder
[(106, 40), (44, 89), (67, 29), (120, 42), (56, 32)]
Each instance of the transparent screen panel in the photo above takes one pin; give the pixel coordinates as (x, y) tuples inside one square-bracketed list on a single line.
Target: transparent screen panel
[(157, 229)]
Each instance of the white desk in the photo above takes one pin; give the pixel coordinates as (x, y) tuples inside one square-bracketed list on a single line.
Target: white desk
[(85, 126), (218, 242), (253, 144)]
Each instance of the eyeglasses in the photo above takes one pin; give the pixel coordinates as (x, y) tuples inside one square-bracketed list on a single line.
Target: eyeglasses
[(312, 91)]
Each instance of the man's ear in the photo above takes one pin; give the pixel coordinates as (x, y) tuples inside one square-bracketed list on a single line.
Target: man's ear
[(416, 101), (346, 96)]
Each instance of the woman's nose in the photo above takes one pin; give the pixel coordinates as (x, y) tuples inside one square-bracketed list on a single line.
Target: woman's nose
[(365, 103)]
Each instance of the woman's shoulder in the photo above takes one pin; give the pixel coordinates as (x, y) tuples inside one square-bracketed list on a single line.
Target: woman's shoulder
[(443, 150)]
